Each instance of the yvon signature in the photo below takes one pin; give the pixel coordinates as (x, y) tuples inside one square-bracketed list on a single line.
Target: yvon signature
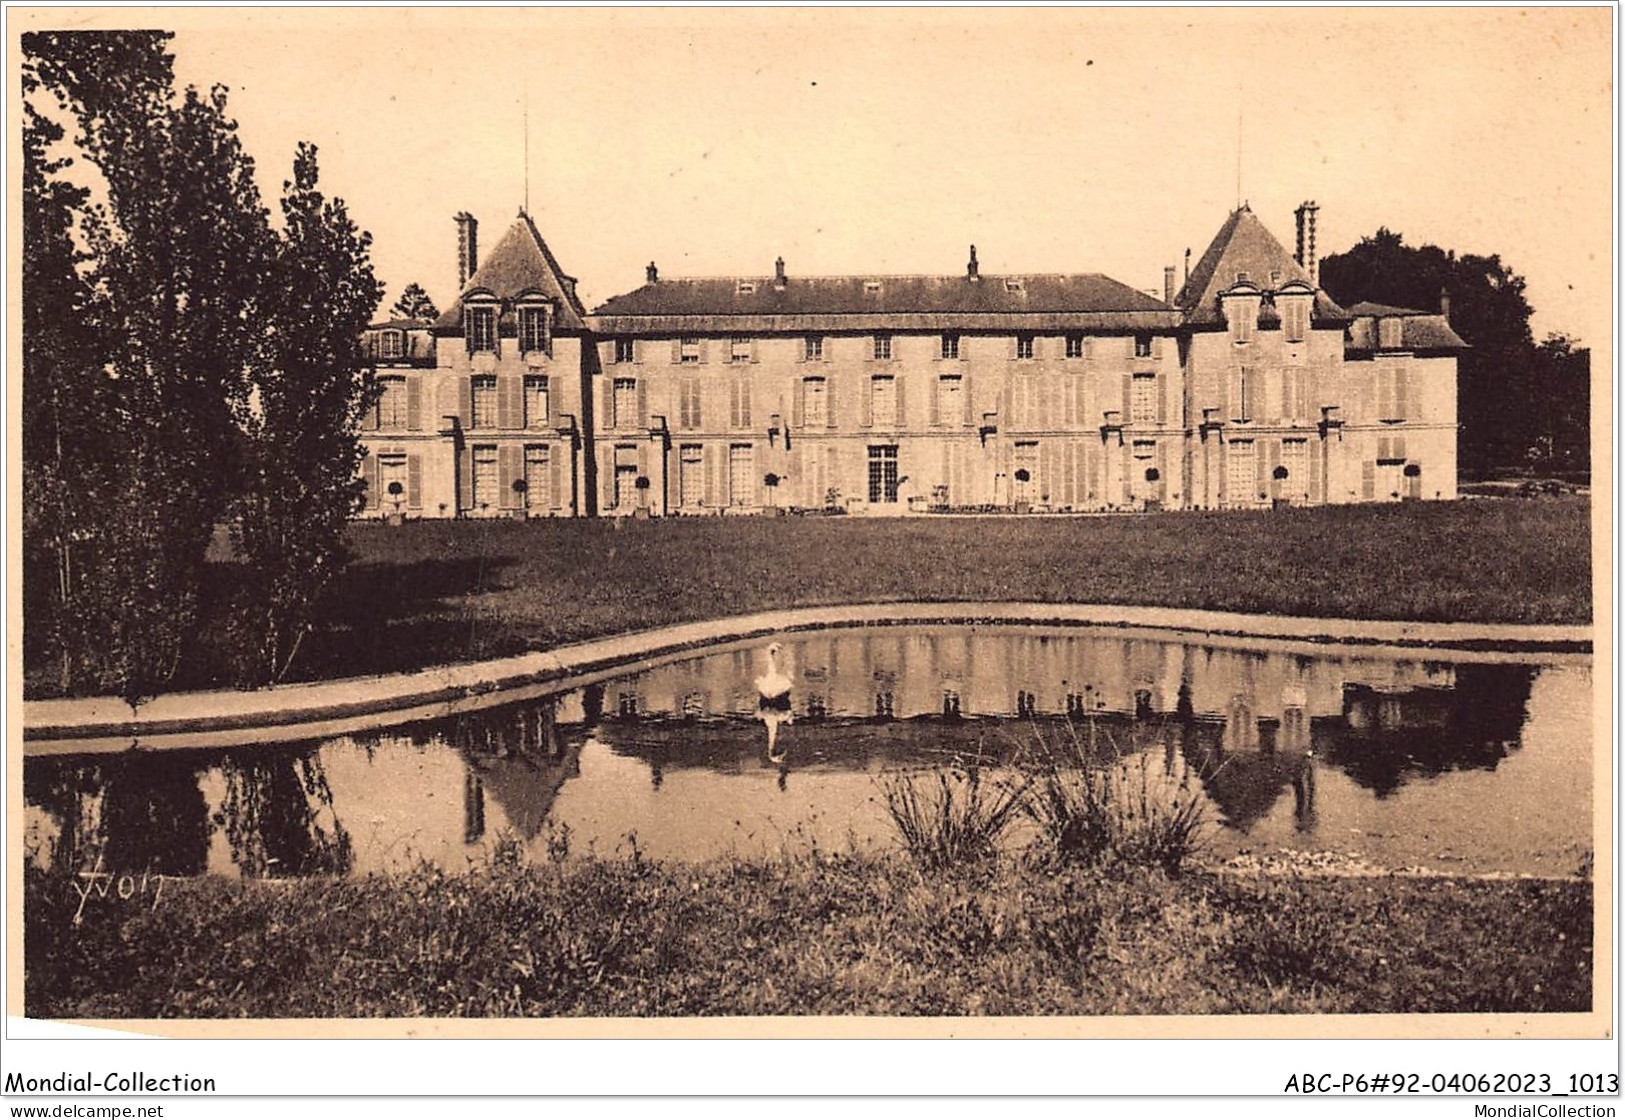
[(98, 883)]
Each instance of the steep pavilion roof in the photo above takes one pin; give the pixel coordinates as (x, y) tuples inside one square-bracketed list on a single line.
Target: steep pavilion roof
[(521, 262), (1244, 246)]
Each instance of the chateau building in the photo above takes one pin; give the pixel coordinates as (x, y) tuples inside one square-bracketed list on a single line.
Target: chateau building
[(1248, 387)]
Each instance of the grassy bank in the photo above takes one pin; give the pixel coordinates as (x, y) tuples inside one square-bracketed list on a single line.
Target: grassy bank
[(431, 593), (811, 935)]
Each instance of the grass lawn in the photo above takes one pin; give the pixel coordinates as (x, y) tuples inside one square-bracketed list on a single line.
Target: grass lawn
[(435, 592), (814, 934)]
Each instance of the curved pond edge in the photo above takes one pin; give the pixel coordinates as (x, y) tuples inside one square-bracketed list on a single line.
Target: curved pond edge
[(298, 711)]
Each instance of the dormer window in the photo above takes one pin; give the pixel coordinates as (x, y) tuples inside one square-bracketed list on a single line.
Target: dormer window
[(746, 288), (1391, 333), (1294, 317), (1013, 284), (534, 334), (480, 328), (871, 287)]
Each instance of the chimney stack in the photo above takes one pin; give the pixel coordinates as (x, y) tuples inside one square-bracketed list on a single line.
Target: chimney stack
[(778, 274), (972, 269), (1187, 265), (1305, 256), (1444, 302), (1168, 285), (651, 274), (468, 252)]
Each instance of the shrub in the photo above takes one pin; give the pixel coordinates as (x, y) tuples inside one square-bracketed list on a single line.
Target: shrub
[(951, 815)]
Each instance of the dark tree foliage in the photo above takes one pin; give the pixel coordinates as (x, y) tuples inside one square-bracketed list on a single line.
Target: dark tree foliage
[(416, 305), (302, 450), (1562, 407), (161, 313), (1500, 389)]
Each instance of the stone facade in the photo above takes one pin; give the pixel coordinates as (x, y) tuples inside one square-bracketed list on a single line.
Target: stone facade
[(910, 394)]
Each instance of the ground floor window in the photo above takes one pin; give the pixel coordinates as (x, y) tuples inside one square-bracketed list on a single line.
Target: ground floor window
[(741, 474), (1295, 462), (626, 476), (486, 495), (392, 482), (1025, 466), (691, 475), (1241, 472), (883, 473), (538, 478), (1145, 476)]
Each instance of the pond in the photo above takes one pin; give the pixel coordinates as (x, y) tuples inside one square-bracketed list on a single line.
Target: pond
[(1457, 761)]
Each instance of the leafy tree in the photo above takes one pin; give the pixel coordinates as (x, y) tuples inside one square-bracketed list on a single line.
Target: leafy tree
[(1562, 406), (415, 304), (182, 363), (302, 451), (64, 399), (1496, 396)]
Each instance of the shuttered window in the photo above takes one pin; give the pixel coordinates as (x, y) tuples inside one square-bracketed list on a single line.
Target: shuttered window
[(484, 401), (480, 328), (533, 333), (538, 477), (392, 411), (392, 344), (882, 347), (487, 491), (688, 403), (688, 349), (1143, 398), (1241, 472), (950, 399), (1024, 347), (950, 346), (741, 474), (1074, 346), (813, 348), (625, 350), (536, 402), (691, 482), (626, 402), (1294, 317), (883, 401), (815, 401), (740, 349)]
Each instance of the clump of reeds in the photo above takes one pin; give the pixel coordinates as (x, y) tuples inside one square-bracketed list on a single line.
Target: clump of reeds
[(952, 815), (1090, 806)]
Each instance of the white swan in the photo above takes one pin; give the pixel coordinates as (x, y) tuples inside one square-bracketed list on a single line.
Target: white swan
[(773, 701), (773, 686)]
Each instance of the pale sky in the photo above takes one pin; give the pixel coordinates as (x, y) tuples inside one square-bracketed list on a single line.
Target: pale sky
[(852, 141)]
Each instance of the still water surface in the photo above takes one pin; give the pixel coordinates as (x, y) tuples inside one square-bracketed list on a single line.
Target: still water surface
[(1475, 764)]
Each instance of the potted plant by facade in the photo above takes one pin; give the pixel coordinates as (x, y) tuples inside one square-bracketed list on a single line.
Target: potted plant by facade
[(519, 512), (1280, 474), (1023, 476), (641, 510), (1152, 475), (771, 481), (396, 492)]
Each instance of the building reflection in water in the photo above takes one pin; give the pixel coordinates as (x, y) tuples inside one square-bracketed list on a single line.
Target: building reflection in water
[(1253, 724)]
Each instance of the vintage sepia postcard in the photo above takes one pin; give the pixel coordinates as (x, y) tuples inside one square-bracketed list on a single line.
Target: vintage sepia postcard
[(805, 523)]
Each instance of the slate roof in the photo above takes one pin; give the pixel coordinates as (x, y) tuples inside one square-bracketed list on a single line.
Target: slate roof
[(521, 261), (1421, 330), (1243, 245), (1085, 301)]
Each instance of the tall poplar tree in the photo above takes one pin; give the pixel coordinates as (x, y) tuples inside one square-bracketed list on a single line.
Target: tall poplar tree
[(302, 450)]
